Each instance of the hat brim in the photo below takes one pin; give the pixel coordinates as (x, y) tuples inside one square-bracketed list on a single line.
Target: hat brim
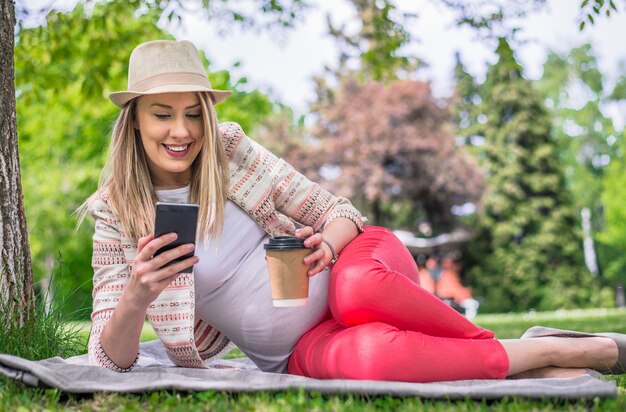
[(120, 99)]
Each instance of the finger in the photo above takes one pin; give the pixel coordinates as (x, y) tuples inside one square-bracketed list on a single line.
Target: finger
[(155, 244), (169, 273), (311, 258), (317, 268), (143, 241), (314, 240), (304, 232), (167, 256)]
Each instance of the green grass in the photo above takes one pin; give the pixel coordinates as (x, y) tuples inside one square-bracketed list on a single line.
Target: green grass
[(44, 334), (82, 328), (15, 396), (509, 326)]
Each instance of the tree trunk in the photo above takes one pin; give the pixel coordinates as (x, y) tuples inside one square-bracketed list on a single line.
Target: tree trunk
[(16, 279)]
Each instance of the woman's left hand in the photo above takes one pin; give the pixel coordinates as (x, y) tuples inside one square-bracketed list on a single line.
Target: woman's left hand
[(321, 253)]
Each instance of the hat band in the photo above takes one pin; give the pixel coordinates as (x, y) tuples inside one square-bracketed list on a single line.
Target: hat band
[(164, 79)]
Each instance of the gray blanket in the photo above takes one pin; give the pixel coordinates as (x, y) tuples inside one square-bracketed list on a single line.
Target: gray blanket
[(155, 371)]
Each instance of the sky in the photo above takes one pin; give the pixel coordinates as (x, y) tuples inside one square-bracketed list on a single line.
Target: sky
[(284, 66)]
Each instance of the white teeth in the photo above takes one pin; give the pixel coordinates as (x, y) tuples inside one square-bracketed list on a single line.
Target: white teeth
[(177, 148)]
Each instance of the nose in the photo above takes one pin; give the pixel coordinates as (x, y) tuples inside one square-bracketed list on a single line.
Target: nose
[(179, 127)]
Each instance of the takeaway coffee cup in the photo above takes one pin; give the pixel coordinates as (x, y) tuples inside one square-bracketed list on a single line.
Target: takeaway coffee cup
[(288, 273)]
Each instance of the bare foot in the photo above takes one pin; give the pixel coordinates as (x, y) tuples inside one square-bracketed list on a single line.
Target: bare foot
[(550, 372)]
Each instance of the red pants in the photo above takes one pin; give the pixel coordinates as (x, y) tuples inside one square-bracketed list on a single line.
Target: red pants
[(385, 326)]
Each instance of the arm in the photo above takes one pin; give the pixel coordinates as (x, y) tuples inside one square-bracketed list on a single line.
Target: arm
[(120, 339), (328, 219), (122, 293), (292, 194), (296, 198), (111, 274)]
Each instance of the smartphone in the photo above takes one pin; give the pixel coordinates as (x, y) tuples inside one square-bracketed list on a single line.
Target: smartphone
[(181, 218)]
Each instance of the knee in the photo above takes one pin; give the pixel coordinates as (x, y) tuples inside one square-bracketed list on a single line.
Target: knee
[(349, 290), (360, 352), (352, 276)]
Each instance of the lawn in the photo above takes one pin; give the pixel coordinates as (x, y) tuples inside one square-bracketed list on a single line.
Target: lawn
[(15, 397)]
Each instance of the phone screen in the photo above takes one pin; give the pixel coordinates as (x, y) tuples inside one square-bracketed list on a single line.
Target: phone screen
[(181, 218)]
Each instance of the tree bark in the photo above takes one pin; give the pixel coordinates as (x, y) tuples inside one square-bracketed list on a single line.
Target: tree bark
[(16, 279)]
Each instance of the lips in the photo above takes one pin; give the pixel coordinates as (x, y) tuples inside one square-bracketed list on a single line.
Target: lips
[(177, 150)]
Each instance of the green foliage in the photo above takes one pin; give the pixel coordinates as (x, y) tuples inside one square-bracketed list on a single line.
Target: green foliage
[(377, 48), (613, 238), (225, 15), (465, 108), (386, 36), (248, 108), (493, 18), (248, 14), (595, 8), (619, 91), (527, 252), (64, 70), (573, 88)]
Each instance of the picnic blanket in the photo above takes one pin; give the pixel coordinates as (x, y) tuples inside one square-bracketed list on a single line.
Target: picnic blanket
[(155, 371)]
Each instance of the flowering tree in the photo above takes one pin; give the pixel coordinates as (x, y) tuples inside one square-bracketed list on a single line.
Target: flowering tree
[(384, 145)]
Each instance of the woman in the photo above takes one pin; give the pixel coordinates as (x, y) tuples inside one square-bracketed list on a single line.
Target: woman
[(367, 318)]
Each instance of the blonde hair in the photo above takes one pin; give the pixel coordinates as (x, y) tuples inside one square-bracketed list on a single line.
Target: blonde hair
[(133, 199)]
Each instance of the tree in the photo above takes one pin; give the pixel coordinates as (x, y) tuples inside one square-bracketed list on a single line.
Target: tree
[(613, 237), (465, 108), (527, 250), (15, 270), (573, 89), (574, 92), (389, 149), (375, 51)]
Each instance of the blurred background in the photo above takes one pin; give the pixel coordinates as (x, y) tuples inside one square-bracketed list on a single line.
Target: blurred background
[(489, 134)]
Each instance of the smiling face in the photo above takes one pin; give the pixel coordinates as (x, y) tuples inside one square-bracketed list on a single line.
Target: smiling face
[(172, 133)]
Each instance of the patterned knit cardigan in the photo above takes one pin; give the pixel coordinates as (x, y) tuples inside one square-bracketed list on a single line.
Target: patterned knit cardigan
[(272, 192)]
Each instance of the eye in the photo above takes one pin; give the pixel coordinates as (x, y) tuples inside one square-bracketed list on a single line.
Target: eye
[(162, 116), (194, 115)]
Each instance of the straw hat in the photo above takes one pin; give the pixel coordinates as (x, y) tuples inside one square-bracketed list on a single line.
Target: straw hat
[(165, 66)]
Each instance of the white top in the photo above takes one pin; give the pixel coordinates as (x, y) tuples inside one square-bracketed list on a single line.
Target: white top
[(233, 292)]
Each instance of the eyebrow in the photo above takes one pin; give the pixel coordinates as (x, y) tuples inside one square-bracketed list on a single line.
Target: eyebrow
[(169, 107)]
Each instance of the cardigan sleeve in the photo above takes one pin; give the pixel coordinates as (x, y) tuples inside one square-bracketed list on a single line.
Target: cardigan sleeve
[(111, 274), (307, 202), (294, 195)]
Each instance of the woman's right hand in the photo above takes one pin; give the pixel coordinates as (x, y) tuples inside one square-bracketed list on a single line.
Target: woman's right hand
[(148, 277)]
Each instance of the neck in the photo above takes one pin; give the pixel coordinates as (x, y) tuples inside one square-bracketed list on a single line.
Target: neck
[(171, 181), (170, 186)]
